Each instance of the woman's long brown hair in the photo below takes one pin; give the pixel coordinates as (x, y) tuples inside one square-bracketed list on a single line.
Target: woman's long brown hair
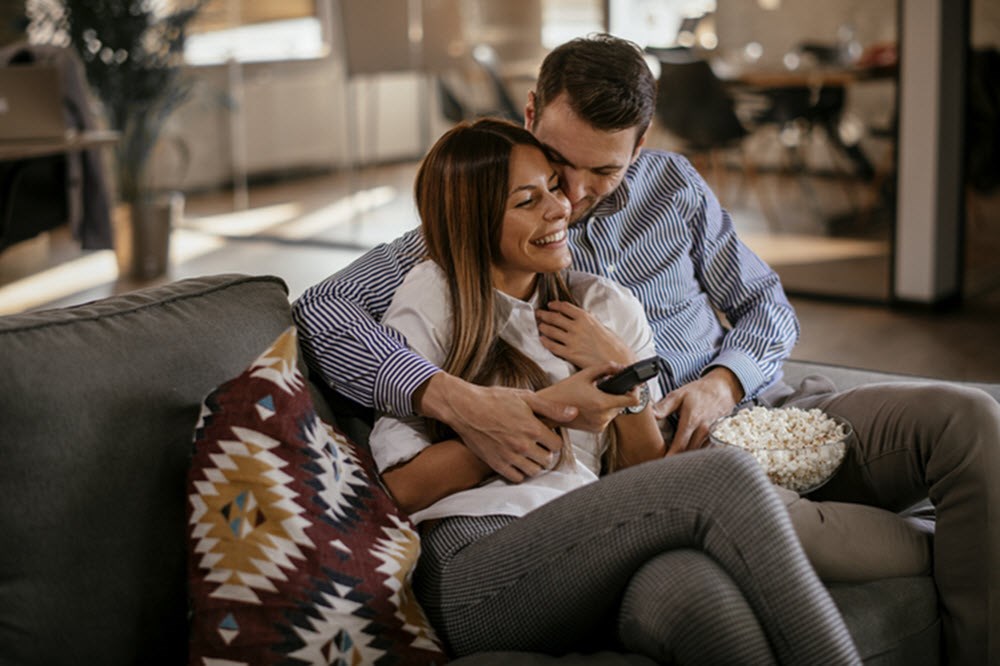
[(461, 194)]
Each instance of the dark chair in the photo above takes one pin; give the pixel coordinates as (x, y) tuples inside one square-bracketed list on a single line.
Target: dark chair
[(452, 107), (696, 108), (32, 198), (39, 194), (693, 105), (810, 108), (806, 107)]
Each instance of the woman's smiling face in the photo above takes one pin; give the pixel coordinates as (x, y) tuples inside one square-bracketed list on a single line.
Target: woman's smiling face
[(533, 238)]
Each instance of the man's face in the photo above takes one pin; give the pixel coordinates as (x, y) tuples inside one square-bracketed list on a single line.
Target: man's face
[(591, 162)]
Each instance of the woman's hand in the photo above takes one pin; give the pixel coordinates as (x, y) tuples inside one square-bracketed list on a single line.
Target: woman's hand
[(595, 408), (574, 335)]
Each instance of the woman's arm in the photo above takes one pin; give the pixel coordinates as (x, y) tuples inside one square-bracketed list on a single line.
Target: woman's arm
[(639, 438), (638, 435), (609, 326), (439, 470)]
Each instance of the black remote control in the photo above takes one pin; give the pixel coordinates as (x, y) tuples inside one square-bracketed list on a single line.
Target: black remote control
[(625, 380)]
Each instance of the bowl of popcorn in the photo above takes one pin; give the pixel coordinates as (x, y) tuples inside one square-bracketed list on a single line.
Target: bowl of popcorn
[(800, 449)]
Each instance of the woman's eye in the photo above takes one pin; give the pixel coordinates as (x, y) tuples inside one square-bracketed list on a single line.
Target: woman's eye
[(525, 203)]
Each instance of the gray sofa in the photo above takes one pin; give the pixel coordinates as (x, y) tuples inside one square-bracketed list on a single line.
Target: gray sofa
[(98, 404)]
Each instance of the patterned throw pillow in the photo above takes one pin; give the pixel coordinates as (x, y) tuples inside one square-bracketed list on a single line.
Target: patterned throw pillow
[(296, 554)]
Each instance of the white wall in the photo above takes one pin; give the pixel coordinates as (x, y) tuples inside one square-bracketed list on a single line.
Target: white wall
[(282, 116)]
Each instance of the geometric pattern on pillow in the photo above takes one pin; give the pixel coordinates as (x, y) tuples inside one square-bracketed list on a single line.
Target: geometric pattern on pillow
[(296, 553)]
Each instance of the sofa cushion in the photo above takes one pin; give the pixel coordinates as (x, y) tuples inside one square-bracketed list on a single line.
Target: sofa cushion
[(97, 406), (893, 620), (297, 555)]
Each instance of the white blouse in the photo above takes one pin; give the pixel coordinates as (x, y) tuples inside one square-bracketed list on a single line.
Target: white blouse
[(421, 311)]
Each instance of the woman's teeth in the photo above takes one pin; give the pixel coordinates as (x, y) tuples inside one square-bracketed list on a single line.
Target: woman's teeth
[(551, 238)]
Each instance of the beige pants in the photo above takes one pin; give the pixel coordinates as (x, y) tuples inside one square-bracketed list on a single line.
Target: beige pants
[(849, 542), (912, 441)]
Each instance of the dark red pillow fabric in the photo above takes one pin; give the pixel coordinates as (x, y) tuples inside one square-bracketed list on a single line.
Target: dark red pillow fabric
[(296, 553)]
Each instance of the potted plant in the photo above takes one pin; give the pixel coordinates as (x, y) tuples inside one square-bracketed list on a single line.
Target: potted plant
[(132, 51)]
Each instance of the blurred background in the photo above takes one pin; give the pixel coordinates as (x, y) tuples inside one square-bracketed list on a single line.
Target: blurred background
[(855, 143)]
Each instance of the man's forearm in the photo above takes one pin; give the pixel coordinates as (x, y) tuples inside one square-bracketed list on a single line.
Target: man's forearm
[(503, 427), (729, 384), (749, 294), (758, 345), (340, 334), (431, 397)]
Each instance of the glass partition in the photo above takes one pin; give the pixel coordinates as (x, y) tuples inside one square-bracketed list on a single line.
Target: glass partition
[(793, 124)]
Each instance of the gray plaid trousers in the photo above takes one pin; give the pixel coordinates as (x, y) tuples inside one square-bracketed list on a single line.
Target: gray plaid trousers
[(630, 556)]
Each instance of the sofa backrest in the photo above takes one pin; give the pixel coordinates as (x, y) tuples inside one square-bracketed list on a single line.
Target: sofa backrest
[(98, 405)]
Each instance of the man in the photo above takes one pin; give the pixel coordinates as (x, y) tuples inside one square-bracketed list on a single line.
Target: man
[(647, 220)]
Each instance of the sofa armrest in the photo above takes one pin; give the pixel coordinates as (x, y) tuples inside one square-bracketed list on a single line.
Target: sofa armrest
[(846, 377), (99, 404)]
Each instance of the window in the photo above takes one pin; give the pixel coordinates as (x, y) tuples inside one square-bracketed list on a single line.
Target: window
[(257, 30), (664, 23)]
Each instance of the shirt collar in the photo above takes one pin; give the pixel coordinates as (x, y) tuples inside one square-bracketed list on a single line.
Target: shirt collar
[(506, 306), (505, 303)]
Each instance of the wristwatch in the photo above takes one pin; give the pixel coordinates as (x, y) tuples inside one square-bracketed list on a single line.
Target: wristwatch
[(643, 400)]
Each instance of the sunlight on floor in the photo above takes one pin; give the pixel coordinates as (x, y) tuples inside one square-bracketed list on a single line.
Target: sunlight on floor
[(292, 221), (783, 249), (339, 212), (90, 271), (196, 236), (63, 280), (245, 222)]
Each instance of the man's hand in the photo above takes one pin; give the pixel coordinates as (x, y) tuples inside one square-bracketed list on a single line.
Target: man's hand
[(574, 335), (698, 404), (502, 426), (596, 409)]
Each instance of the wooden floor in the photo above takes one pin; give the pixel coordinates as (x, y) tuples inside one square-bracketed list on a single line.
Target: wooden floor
[(307, 228)]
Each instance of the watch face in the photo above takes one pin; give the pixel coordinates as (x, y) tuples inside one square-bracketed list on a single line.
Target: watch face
[(643, 400)]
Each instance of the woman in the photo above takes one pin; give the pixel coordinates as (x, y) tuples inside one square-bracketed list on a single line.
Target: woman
[(683, 558)]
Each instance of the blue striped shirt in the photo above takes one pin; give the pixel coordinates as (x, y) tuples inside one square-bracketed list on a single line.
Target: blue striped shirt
[(662, 234)]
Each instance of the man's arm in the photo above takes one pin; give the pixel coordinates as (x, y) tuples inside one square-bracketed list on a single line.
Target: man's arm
[(500, 425), (763, 326), (341, 338)]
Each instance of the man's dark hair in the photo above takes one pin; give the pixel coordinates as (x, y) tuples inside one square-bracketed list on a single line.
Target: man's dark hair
[(607, 81)]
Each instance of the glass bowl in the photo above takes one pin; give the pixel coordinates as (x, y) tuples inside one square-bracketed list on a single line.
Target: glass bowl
[(798, 449)]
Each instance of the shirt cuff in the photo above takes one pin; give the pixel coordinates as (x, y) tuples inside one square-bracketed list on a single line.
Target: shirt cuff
[(744, 367), (400, 375)]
